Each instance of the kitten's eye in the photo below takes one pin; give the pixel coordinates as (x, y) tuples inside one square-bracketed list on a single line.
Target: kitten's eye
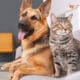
[(24, 14), (34, 17)]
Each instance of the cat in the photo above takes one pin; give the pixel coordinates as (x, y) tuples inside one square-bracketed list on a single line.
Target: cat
[(64, 47)]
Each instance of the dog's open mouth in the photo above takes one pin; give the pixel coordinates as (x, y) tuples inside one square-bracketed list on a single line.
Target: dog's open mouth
[(24, 32)]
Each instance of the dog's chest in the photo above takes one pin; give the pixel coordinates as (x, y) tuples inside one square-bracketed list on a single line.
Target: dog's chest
[(42, 40)]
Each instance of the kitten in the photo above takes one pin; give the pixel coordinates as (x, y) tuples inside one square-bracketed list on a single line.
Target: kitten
[(64, 47)]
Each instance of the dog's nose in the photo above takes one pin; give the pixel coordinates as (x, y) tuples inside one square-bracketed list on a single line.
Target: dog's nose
[(22, 23)]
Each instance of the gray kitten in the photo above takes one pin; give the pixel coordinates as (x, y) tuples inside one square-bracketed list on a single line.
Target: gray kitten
[(64, 47)]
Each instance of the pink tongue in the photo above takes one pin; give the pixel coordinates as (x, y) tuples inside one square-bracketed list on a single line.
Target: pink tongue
[(21, 35)]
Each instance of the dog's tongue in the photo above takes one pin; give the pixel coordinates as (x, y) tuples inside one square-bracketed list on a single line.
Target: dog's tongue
[(21, 35)]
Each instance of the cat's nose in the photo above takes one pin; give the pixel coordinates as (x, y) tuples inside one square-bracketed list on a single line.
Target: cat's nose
[(65, 29)]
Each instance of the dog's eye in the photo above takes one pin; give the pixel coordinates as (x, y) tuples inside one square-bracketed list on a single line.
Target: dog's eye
[(24, 14), (33, 17)]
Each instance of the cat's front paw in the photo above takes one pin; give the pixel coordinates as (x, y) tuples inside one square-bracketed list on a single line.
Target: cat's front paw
[(57, 71), (57, 75)]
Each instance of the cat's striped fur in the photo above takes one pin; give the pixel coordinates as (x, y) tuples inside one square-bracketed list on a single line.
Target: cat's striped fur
[(65, 49)]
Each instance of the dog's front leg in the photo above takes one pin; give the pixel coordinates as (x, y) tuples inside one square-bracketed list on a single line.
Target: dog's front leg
[(25, 70), (13, 68), (6, 66)]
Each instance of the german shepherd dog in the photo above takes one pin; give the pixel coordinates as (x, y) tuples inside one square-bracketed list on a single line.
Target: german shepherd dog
[(36, 57)]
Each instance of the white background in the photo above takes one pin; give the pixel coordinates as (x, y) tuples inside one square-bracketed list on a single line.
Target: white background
[(60, 6)]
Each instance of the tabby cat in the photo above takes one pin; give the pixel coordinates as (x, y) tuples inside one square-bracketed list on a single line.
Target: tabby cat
[(64, 47)]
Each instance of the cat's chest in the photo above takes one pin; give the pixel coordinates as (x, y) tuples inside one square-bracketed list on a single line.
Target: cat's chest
[(62, 49), (65, 47)]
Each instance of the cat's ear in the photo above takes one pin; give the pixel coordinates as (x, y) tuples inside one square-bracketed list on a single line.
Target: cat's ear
[(53, 18), (70, 17)]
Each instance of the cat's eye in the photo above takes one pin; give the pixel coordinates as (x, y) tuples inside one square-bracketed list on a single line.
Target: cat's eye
[(24, 14), (34, 17)]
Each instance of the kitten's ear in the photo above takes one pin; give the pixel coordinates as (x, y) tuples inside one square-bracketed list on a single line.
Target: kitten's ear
[(53, 18), (70, 17)]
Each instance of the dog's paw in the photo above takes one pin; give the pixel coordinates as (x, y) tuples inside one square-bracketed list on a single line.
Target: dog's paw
[(5, 66), (2, 68)]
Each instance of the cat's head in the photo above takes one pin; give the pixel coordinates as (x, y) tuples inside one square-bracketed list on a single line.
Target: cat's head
[(61, 27)]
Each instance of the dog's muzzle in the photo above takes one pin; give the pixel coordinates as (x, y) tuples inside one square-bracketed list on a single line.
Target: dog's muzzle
[(22, 25), (25, 28)]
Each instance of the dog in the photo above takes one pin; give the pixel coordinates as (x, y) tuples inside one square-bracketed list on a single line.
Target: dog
[(36, 57)]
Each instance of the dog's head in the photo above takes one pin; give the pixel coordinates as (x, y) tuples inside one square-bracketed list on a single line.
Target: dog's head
[(31, 19)]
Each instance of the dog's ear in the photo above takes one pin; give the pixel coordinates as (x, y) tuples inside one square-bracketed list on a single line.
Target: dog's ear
[(45, 7), (25, 4)]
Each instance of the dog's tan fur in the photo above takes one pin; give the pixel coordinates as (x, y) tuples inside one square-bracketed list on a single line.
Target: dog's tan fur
[(36, 58)]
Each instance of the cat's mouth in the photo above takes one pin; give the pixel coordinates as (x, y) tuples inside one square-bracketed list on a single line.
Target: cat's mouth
[(62, 33), (61, 39)]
